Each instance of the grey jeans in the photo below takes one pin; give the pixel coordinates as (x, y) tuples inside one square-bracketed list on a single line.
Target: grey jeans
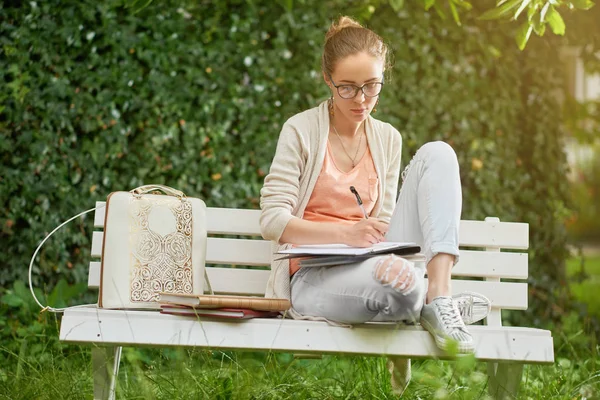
[(427, 213)]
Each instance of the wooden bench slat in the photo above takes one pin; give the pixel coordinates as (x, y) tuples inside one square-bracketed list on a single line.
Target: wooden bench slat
[(245, 252), (218, 220), (504, 295), (480, 264), (99, 214), (97, 239), (135, 328), (506, 235), (232, 221), (248, 252), (472, 263), (94, 275)]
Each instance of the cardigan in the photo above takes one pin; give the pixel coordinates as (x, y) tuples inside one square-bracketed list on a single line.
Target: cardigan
[(295, 169)]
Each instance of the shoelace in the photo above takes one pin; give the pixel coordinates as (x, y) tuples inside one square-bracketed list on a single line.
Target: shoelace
[(449, 314)]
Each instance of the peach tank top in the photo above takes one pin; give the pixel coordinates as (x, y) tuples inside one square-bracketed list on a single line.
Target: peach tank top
[(332, 200)]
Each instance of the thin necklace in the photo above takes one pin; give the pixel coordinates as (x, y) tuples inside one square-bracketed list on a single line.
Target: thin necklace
[(353, 159)]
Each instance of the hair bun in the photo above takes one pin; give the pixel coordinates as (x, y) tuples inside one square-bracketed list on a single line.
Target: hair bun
[(342, 22)]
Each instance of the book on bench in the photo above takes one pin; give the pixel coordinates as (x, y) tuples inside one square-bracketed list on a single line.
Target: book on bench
[(234, 313), (222, 301), (340, 254)]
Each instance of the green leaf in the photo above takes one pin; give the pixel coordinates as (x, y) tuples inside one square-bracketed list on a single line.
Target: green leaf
[(523, 35), (521, 8), (429, 4), (532, 10), (288, 5), (11, 299), (538, 27), (582, 4), (439, 11), (21, 290), (454, 12), (138, 5), (555, 21), (463, 4), (494, 51), (499, 12), (397, 5), (466, 363)]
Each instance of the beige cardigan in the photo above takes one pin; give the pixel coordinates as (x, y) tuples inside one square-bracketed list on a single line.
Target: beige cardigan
[(294, 171)]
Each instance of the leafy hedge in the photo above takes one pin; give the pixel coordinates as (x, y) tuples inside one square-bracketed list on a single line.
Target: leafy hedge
[(97, 99), (497, 106)]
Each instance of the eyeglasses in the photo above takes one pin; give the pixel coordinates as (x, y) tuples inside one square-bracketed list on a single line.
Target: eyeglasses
[(371, 89)]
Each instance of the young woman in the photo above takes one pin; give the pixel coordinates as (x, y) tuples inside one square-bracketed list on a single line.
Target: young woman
[(306, 199)]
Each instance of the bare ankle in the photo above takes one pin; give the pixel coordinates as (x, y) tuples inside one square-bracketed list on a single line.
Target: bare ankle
[(436, 291)]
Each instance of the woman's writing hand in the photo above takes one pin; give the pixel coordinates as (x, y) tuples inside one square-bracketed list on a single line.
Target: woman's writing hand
[(366, 232)]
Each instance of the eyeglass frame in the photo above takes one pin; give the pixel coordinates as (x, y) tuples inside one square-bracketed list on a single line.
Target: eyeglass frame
[(357, 88)]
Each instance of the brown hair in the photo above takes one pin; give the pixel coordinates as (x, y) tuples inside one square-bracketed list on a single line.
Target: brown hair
[(347, 37)]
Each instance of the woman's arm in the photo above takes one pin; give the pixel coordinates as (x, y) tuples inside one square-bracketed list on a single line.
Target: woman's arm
[(280, 191), (364, 233), (392, 175)]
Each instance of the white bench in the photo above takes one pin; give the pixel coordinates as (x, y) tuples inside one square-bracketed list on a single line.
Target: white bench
[(505, 348)]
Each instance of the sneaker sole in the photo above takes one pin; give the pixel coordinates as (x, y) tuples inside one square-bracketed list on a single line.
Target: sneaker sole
[(481, 307)]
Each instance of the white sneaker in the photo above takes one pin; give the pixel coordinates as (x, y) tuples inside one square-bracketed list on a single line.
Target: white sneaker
[(442, 319), (472, 306)]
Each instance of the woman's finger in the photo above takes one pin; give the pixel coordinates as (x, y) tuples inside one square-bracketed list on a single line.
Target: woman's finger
[(381, 228), (373, 239), (376, 235)]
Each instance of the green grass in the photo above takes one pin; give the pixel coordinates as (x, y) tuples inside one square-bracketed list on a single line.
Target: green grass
[(585, 282), (44, 369), (201, 374)]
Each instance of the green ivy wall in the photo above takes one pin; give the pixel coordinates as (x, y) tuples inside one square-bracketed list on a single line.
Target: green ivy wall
[(97, 98)]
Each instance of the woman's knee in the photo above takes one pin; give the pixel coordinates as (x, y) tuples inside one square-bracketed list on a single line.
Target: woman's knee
[(396, 273), (439, 152)]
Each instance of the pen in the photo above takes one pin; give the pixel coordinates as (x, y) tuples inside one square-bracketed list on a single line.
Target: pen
[(359, 201)]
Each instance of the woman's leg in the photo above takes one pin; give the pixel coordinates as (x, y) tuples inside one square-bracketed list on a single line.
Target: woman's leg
[(380, 288), (428, 213), (384, 287), (430, 203)]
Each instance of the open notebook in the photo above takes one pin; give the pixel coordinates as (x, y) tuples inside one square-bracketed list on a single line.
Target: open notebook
[(345, 250), (339, 254)]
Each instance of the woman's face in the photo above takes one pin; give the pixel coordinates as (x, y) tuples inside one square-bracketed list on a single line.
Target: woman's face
[(358, 69)]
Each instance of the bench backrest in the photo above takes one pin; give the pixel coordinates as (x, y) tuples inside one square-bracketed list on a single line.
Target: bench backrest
[(244, 263)]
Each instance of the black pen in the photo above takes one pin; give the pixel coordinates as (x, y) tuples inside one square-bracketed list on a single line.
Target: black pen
[(359, 201)]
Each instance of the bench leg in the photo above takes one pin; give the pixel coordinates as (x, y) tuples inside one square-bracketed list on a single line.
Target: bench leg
[(400, 372), (504, 380), (105, 367)]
